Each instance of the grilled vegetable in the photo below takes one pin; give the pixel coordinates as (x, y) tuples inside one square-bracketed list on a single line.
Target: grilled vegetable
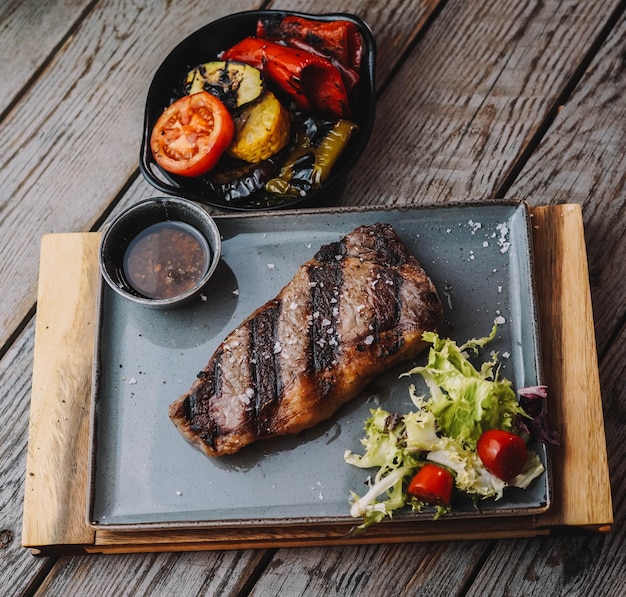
[(311, 81), (240, 184), (261, 130), (340, 39), (190, 136), (316, 150), (234, 83)]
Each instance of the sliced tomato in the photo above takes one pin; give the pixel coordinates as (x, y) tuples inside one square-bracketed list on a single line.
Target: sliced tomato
[(432, 484), (191, 135), (504, 454)]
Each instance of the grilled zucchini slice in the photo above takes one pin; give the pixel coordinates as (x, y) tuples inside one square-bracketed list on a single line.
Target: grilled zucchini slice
[(234, 83)]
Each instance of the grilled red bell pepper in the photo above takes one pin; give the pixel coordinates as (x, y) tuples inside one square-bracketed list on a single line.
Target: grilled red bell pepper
[(349, 76), (340, 39), (311, 81)]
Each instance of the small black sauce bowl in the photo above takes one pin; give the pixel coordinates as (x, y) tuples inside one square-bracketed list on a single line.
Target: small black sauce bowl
[(120, 233), (204, 45)]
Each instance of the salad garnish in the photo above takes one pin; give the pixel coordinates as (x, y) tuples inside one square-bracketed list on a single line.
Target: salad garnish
[(444, 432)]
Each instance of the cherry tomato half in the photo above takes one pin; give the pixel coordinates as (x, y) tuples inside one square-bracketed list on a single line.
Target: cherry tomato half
[(504, 454), (191, 135), (432, 484)]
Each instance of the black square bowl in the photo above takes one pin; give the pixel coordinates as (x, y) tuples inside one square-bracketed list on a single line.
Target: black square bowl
[(205, 45)]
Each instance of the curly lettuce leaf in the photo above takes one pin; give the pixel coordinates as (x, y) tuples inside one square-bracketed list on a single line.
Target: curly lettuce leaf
[(444, 429), (466, 401)]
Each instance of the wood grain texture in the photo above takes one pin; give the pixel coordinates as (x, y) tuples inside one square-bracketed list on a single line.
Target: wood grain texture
[(399, 570), (55, 490), (581, 160), (35, 29), (18, 567), (156, 575), (571, 367), (460, 141)]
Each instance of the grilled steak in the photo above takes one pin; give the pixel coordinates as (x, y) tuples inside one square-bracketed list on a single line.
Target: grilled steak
[(354, 310)]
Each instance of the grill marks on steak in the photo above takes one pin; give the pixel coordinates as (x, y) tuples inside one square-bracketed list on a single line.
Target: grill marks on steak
[(323, 339), (357, 308)]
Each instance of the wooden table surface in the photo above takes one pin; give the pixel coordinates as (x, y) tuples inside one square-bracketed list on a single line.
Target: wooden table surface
[(497, 99)]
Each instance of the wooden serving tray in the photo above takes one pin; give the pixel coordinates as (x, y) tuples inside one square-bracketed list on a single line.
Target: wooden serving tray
[(56, 488)]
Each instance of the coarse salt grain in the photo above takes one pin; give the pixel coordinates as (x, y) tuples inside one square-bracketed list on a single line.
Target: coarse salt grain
[(475, 226), (503, 243)]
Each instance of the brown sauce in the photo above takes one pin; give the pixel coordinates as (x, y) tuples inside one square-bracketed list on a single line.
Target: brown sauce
[(166, 260)]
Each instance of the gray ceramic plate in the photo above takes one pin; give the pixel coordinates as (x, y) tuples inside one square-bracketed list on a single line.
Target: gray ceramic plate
[(144, 473)]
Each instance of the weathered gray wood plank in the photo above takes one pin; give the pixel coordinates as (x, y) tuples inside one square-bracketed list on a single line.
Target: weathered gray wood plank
[(402, 570), (183, 574), (19, 567), (30, 32), (459, 141), (582, 159), (461, 146)]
